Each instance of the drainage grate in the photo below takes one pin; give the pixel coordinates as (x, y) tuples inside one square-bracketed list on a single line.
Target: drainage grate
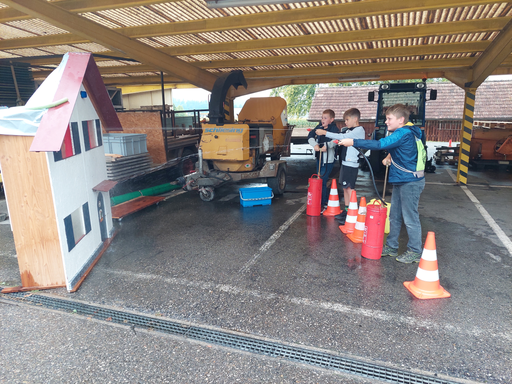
[(248, 344)]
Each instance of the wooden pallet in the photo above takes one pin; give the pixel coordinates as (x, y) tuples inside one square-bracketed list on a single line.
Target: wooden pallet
[(492, 124), (448, 155), (120, 167)]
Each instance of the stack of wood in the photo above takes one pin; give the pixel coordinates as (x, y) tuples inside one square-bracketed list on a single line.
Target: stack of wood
[(123, 167)]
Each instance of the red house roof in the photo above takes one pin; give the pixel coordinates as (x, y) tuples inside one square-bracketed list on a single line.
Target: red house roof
[(79, 69), (493, 101)]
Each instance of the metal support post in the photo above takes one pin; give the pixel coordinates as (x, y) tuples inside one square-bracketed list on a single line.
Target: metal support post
[(465, 136)]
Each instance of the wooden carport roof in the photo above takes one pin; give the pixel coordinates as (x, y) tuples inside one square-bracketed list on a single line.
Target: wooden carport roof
[(293, 43)]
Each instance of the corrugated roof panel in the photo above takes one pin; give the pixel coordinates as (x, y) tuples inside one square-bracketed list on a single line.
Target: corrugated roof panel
[(91, 47), (228, 69), (115, 75), (177, 40), (185, 58), (26, 52), (152, 42), (128, 62), (100, 20), (8, 32), (133, 16), (226, 36), (294, 51), (62, 49), (37, 26), (219, 56), (112, 63), (251, 54), (6, 55), (135, 74), (169, 9), (188, 10), (276, 31)]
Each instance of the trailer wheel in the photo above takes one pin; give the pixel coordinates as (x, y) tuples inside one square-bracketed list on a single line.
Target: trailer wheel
[(188, 162), (206, 193), (278, 183)]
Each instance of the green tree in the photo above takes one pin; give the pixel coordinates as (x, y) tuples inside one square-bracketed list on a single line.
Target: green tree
[(298, 98)]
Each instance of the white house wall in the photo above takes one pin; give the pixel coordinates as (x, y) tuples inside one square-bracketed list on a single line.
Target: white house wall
[(72, 182)]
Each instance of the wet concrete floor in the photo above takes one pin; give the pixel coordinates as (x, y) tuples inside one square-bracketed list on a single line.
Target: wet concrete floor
[(274, 272)]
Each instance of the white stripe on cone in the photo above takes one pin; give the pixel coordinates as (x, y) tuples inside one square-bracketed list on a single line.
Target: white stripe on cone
[(351, 219), (429, 276), (429, 254), (360, 225)]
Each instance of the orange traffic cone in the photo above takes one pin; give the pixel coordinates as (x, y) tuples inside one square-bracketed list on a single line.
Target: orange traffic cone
[(357, 235), (333, 205), (450, 143), (350, 221), (426, 284)]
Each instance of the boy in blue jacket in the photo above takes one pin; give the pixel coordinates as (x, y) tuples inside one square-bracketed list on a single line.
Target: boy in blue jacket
[(407, 182)]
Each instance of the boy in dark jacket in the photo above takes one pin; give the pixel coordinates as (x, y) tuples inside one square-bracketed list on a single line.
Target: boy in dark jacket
[(407, 182), (349, 157), (325, 148)]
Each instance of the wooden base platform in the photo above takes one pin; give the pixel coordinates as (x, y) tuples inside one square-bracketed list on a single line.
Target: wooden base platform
[(124, 209)]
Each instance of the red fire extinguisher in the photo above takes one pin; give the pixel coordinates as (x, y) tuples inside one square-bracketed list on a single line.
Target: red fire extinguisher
[(373, 237), (314, 200)]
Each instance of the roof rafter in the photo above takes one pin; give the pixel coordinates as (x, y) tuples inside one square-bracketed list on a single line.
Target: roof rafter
[(155, 80), (454, 48), (499, 49)]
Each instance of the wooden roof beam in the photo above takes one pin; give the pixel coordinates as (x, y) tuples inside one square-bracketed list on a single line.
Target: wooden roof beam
[(467, 47), (102, 35), (256, 85), (492, 57)]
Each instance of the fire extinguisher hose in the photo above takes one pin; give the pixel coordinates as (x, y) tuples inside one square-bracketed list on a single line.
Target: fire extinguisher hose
[(373, 177)]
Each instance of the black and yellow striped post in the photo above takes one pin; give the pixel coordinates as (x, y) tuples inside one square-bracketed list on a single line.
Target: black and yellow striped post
[(465, 136), (229, 110)]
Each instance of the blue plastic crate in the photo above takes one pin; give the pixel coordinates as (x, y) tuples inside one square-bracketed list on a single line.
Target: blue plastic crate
[(250, 197)]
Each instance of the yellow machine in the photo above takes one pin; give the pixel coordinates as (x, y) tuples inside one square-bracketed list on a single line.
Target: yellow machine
[(250, 148)]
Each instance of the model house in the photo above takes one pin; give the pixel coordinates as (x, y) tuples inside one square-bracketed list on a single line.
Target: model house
[(53, 166)]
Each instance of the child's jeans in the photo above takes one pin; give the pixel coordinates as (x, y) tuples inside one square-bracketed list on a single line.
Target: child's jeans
[(325, 172), (404, 203)]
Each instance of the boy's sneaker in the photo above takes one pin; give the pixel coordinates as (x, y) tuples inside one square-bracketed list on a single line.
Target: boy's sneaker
[(324, 207), (388, 251), (341, 216), (409, 257)]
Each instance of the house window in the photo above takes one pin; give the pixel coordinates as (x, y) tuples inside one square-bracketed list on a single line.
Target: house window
[(92, 133), (70, 145), (77, 225)]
